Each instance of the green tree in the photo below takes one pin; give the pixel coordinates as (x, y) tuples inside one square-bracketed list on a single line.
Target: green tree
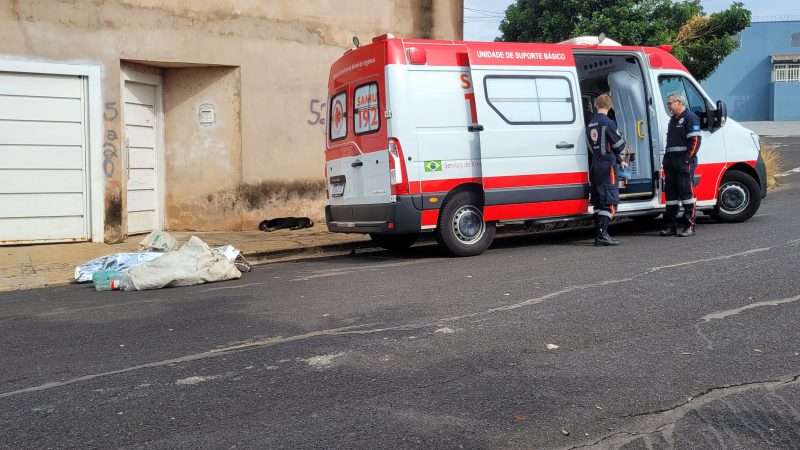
[(699, 41)]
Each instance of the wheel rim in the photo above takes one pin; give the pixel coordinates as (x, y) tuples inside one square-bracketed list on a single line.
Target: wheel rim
[(468, 225), (733, 197)]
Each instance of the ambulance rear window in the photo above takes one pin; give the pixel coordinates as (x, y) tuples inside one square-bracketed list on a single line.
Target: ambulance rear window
[(337, 117), (530, 100), (367, 110)]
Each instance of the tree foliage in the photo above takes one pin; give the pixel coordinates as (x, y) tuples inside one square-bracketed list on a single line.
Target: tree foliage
[(699, 41)]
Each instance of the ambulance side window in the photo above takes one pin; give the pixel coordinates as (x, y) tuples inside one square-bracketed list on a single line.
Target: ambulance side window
[(337, 118), (366, 117), (694, 100), (530, 100)]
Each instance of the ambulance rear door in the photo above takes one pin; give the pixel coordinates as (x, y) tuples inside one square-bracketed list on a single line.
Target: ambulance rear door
[(532, 138), (357, 156)]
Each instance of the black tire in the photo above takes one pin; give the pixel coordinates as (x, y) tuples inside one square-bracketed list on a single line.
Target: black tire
[(738, 198), (394, 242), (461, 229)]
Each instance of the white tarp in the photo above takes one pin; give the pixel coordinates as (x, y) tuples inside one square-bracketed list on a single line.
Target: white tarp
[(194, 263)]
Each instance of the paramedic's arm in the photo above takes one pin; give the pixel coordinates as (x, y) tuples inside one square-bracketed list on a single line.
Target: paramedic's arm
[(693, 138), (617, 143)]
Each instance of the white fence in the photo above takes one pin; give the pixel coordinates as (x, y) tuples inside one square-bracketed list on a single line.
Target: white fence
[(786, 73)]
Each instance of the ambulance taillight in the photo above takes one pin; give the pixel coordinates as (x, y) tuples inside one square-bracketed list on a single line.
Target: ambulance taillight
[(398, 176)]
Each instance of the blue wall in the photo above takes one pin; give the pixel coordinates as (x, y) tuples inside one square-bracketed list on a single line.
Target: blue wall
[(742, 81), (785, 102)]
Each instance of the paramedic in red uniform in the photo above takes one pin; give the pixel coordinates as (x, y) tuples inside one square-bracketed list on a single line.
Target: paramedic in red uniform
[(680, 159), (605, 144)]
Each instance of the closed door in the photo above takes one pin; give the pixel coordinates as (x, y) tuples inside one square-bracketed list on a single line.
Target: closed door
[(43, 157), (141, 113)]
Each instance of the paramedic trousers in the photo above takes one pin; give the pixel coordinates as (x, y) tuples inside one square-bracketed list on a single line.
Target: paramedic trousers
[(605, 192), (679, 188)]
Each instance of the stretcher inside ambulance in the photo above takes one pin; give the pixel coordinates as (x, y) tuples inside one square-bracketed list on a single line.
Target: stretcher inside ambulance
[(457, 138)]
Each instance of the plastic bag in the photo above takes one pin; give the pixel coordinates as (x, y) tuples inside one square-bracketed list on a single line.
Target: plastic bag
[(158, 241), (235, 256)]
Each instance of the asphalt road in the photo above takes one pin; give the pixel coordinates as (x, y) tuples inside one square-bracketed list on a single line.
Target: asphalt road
[(661, 343)]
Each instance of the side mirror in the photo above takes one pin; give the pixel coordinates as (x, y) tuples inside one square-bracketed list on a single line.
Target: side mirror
[(720, 115)]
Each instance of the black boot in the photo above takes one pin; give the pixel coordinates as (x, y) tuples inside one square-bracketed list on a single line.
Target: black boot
[(687, 231), (606, 223), (601, 234), (669, 230)]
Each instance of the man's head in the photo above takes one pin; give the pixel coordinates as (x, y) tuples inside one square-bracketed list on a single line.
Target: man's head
[(676, 103), (603, 103)]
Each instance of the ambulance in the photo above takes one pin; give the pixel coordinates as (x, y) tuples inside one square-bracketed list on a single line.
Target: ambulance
[(456, 138)]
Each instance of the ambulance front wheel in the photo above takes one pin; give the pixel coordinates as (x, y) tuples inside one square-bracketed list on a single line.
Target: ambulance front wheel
[(461, 229), (739, 197), (394, 242)]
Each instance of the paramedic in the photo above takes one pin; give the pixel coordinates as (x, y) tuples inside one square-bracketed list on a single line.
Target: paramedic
[(605, 145), (680, 159)]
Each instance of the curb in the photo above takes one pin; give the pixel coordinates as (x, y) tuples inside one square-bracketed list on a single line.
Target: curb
[(268, 256)]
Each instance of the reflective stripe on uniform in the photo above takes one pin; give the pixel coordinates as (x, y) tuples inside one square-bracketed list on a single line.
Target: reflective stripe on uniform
[(676, 149), (691, 201), (605, 213), (673, 202), (619, 143), (603, 141), (693, 134)]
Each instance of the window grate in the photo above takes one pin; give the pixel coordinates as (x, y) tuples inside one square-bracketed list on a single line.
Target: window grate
[(786, 73)]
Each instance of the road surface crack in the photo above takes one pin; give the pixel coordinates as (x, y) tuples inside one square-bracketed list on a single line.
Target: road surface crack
[(663, 421)]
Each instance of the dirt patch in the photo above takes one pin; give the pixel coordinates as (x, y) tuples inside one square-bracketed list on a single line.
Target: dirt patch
[(422, 15), (113, 212), (244, 207)]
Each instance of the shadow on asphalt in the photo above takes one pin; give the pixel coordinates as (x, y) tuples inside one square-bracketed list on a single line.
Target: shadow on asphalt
[(515, 236)]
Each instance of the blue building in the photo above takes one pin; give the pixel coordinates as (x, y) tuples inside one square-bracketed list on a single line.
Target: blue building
[(761, 79)]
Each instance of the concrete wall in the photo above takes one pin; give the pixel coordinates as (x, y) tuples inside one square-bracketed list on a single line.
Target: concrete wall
[(743, 79), (785, 101), (202, 158), (264, 64)]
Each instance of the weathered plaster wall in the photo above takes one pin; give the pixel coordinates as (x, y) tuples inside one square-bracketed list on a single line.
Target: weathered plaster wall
[(202, 158), (283, 48)]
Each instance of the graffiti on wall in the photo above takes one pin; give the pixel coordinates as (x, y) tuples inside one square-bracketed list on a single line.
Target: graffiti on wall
[(110, 156), (316, 108)]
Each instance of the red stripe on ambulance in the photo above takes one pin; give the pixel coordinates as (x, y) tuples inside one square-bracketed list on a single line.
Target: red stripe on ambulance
[(533, 210)]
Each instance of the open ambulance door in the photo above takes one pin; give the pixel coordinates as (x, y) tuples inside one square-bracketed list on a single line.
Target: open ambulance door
[(532, 140)]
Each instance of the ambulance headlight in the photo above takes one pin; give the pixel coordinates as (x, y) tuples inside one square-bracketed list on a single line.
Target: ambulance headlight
[(756, 140)]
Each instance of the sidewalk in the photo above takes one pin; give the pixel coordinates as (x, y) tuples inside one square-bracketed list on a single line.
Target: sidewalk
[(36, 266), (774, 129)]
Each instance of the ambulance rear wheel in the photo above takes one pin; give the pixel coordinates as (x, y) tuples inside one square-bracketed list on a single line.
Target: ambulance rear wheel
[(739, 197), (394, 242), (461, 229)]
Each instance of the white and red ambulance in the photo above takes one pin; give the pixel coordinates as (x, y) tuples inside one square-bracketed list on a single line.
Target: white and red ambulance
[(457, 137)]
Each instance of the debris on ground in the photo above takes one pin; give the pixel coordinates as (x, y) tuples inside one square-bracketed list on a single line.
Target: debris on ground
[(552, 346), (194, 263), (235, 256), (118, 262), (108, 272), (158, 241)]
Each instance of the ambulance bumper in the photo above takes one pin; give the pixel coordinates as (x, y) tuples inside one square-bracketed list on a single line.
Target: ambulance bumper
[(761, 170), (401, 217)]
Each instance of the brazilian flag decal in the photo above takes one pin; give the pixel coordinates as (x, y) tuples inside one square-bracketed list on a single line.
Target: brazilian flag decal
[(433, 166)]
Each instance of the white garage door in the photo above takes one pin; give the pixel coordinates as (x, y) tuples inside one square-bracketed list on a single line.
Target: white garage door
[(43, 187)]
